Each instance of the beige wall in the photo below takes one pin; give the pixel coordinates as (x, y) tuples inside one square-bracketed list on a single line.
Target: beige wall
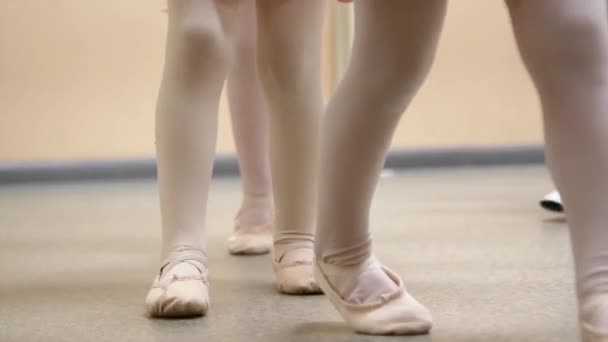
[(478, 91), (78, 80)]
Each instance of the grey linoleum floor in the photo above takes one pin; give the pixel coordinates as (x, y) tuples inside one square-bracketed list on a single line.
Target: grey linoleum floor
[(76, 261)]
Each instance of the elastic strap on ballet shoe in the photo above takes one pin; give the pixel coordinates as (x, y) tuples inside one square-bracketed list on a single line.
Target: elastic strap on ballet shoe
[(348, 256), (184, 254)]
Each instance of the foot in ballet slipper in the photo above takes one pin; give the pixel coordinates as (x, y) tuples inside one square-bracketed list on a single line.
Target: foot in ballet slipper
[(395, 313), (250, 240), (253, 226), (181, 289), (292, 265)]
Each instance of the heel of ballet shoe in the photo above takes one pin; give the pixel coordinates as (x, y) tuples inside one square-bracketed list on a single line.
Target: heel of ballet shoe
[(397, 313), (255, 240)]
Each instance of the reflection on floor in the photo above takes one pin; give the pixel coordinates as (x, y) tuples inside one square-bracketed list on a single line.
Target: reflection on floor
[(77, 260)]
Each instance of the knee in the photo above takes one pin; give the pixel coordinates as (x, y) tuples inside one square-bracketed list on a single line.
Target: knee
[(405, 76), (245, 41), (577, 50), (202, 40), (392, 83), (288, 75), (570, 43), (245, 47)]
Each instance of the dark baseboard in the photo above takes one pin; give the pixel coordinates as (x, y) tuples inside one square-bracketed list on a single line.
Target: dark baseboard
[(68, 171), (465, 156)]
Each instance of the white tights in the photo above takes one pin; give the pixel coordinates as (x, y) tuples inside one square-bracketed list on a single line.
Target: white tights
[(250, 123), (566, 54), (564, 44), (198, 60)]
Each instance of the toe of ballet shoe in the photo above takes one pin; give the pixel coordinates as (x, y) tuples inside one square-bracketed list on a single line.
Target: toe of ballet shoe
[(256, 242), (397, 313), (179, 298), (249, 244), (296, 279), (401, 315)]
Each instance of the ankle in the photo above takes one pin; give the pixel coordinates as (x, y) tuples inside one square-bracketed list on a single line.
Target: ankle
[(255, 210), (293, 251), (354, 255), (262, 200), (183, 259), (367, 282), (184, 268)]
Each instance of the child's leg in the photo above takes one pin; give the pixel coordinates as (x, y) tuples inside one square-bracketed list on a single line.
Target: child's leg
[(393, 50), (253, 223), (564, 44), (195, 68), (289, 44)]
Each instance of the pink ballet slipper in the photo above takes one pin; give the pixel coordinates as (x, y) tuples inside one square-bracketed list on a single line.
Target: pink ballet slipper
[(179, 296), (250, 240), (396, 313), (294, 272)]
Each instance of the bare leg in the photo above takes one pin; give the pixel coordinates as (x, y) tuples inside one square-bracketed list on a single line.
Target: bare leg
[(253, 222), (186, 127), (289, 44), (564, 44), (394, 47)]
